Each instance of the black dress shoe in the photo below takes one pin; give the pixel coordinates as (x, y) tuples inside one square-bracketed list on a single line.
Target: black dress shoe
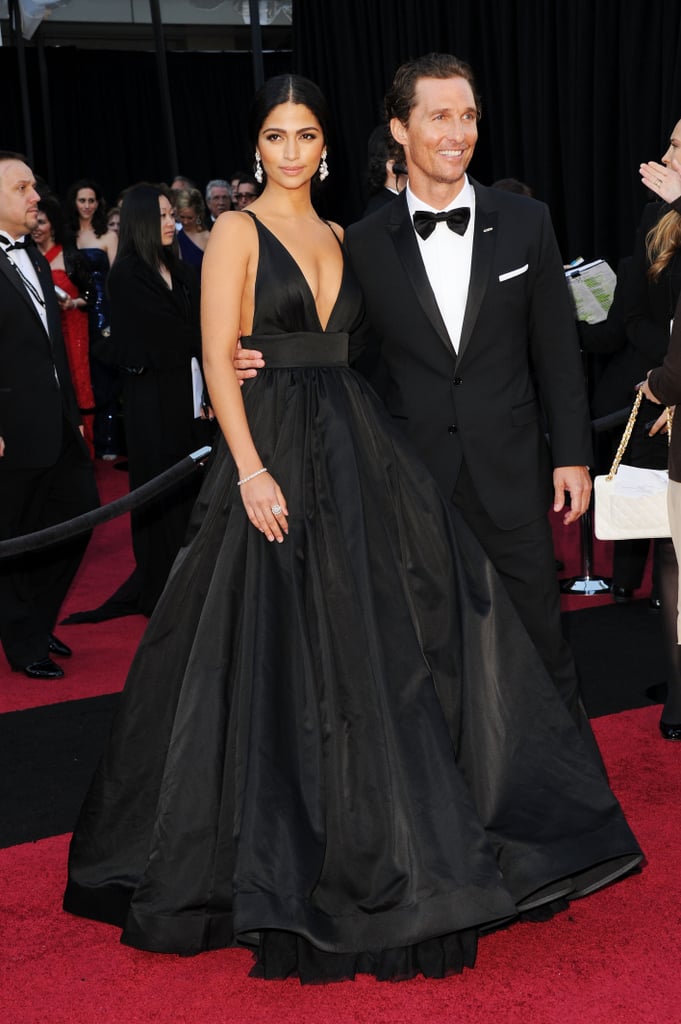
[(622, 595), (669, 731), (43, 669), (58, 647)]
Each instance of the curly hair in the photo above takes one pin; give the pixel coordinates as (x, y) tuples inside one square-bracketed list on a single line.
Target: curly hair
[(381, 148), (401, 97), (662, 241)]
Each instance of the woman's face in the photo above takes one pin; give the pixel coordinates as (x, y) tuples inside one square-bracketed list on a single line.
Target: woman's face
[(674, 148), (86, 203), (42, 232), (290, 144), (167, 220), (187, 218), (114, 223)]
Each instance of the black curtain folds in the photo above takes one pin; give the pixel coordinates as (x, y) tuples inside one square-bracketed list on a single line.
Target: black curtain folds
[(107, 120), (576, 93)]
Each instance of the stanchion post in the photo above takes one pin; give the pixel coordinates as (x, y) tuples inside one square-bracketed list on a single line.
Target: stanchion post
[(586, 585)]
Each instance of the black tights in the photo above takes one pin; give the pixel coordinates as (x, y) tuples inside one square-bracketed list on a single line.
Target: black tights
[(667, 587)]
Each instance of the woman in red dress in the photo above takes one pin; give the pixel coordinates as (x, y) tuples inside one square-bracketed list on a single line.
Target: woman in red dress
[(72, 278)]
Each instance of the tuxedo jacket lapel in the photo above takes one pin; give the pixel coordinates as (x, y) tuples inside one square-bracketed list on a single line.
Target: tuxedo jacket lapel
[(484, 245), (404, 239), (14, 278)]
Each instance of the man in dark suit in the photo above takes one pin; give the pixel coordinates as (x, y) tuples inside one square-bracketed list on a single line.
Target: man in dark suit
[(477, 344), (46, 475), (474, 343)]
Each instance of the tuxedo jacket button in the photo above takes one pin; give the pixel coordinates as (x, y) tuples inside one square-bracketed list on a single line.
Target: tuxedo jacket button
[(453, 429), (457, 381)]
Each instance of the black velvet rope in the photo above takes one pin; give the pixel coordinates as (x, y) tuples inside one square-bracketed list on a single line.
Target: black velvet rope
[(80, 524)]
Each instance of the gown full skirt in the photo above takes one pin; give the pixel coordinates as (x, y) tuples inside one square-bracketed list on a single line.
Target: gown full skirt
[(341, 751)]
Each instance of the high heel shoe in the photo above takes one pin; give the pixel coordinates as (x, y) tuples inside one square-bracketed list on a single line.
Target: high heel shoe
[(669, 731)]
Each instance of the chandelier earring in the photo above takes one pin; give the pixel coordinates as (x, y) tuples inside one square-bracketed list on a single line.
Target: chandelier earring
[(258, 174), (323, 168)]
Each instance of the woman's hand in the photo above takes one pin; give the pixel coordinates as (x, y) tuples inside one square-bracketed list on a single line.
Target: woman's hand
[(266, 506), (665, 182), (644, 386), (660, 425)]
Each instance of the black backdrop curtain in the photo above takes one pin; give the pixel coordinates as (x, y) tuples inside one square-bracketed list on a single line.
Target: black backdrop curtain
[(576, 93), (106, 119)]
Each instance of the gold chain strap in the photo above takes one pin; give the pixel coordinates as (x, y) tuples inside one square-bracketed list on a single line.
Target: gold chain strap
[(628, 429)]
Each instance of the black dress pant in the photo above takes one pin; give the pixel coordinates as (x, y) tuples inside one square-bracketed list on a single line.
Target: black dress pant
[(525, 560), (33, 586)]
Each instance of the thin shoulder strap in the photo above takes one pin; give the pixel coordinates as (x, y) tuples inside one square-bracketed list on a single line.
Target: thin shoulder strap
[(330, 227)]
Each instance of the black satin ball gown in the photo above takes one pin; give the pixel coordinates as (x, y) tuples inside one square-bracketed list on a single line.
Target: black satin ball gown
[(342, 751)]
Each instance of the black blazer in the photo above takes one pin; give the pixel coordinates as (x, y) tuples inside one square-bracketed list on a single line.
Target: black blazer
[(34, 402), (651, 304), (519, 345), (156, 330), (665, 384)]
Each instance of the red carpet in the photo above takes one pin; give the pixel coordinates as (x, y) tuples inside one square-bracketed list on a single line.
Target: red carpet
[(611, 959)]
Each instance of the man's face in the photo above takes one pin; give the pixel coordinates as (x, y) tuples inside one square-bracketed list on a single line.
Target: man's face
[(245, 194), (218, 201), (439, 137), (18, 198)]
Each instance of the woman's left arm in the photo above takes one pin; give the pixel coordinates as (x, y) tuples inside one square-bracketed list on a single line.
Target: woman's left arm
[(663, 384)]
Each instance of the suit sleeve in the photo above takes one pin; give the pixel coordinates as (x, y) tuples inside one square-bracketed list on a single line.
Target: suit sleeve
[(647, 328), (556, 358)]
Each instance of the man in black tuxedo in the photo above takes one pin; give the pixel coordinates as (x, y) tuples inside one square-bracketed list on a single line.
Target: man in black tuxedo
[(46, 475), (473, 342), (476, 344)]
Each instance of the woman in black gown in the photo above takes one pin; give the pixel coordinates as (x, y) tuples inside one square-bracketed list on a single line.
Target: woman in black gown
[(340, 750), (154, 304)]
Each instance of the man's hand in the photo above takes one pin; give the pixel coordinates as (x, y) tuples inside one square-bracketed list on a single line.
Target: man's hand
[(247, 362), (2, 446), (577, 482)]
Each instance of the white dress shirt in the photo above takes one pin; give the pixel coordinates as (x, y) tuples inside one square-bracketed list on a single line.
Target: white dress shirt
[(447, 259)]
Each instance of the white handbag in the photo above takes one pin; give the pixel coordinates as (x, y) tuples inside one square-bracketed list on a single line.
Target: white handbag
[(631, 502)]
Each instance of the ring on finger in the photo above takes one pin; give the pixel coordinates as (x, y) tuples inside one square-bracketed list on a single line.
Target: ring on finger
[(276, 510)]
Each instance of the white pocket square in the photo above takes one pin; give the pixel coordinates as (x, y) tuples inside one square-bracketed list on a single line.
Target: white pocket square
[(514, 273)]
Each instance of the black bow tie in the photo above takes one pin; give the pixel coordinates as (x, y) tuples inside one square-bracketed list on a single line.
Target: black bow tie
[(456, 220), (4, 240)]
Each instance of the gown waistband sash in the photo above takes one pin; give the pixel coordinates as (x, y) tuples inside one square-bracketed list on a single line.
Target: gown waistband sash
[(303, 348)]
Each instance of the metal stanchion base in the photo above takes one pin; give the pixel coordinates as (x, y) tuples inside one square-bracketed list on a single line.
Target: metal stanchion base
[(586, 586)]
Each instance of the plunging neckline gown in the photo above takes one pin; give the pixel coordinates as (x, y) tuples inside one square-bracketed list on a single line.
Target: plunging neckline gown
[(342, 751)]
